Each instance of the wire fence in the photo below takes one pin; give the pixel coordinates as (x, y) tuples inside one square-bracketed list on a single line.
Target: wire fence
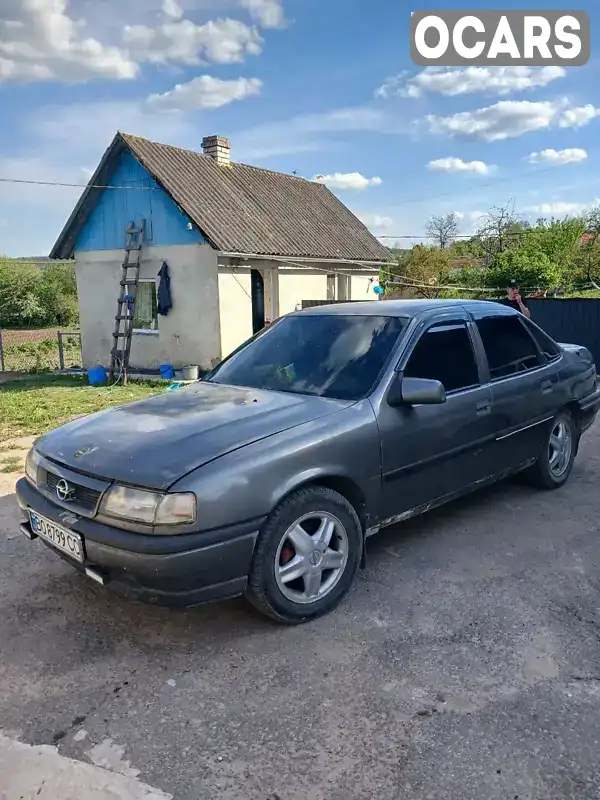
[(34, 352)]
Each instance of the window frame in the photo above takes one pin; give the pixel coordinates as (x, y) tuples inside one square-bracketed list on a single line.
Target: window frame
[(519, 317), (531, 329), (146, 331), (449, 319)]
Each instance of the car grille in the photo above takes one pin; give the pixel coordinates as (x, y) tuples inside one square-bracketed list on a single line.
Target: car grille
[(83, 497)]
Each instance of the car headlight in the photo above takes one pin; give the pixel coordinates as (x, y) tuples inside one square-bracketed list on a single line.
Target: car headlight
[(149, 508), (32, 463)]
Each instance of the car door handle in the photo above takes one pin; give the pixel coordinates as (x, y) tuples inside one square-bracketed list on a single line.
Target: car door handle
[(484, 407), (547, 387)]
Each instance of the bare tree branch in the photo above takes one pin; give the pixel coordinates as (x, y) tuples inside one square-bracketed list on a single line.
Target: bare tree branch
[(444, 229)]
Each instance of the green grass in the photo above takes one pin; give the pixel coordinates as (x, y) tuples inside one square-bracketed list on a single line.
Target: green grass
[(33, 406)]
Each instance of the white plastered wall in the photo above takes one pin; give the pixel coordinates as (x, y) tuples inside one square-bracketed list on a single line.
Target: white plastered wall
[(189, 334)]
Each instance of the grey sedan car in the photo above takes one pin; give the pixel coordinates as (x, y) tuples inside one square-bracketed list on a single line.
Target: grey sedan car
[(267, 477)]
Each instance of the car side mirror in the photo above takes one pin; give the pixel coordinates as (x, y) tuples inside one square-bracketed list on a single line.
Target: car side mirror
[(415, 392)]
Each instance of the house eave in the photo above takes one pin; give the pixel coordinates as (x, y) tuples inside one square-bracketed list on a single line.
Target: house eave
[(291, 260)]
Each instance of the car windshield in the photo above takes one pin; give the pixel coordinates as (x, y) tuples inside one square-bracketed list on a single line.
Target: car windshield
[(328, 355)]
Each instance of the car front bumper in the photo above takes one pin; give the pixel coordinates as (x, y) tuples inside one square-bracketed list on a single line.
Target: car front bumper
[(179, 570)]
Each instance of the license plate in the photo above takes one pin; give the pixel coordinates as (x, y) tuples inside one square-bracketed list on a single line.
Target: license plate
[(64, 540)]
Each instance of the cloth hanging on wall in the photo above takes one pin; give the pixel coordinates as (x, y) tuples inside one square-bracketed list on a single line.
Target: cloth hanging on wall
[(165, 301)]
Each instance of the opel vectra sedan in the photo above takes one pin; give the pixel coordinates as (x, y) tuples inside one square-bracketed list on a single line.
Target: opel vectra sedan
[(267, 477)]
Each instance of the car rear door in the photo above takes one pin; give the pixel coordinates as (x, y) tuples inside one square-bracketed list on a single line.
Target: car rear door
[(434, 451), (524, 383)]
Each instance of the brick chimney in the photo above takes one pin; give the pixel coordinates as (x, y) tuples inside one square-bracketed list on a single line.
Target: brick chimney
[(217, 147)]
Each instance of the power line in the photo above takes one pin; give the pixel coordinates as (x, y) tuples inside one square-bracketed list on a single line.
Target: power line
[(76, 185), (450, 193)]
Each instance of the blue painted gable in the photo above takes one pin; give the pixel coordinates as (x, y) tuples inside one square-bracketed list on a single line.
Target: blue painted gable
[(165, 223)]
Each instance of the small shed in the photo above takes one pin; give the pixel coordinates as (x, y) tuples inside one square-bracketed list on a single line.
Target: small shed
[(243, 244)]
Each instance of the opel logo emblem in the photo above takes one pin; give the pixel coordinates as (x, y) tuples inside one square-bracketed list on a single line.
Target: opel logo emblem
[(64, 492)]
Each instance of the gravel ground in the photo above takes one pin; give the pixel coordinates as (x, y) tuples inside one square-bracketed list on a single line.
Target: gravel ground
[(465, 664)]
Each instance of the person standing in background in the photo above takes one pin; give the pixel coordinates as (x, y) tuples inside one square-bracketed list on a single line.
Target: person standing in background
[(514, 300)]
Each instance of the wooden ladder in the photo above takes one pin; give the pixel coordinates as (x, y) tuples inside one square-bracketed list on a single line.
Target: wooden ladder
[(121, 349)]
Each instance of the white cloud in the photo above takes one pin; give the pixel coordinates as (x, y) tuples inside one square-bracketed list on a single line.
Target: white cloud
[(205, 92), (40, 41), (45, 40), (559, 208), (458, 165), (268, 13), (223, 41), (508, 119), (578, 117), (171, 9), (570, 155), (470, 220), (348, 180), (470, 80), (308, 132), (378, 224)]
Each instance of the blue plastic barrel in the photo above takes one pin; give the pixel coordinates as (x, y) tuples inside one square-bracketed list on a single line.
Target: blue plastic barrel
[(166, 371), (97, 376)]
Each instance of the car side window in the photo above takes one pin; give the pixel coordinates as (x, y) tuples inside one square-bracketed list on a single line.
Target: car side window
[(547, 345), (444, 353), (509, 348)]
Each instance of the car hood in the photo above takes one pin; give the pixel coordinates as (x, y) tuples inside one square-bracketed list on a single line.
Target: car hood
[(153, 442)]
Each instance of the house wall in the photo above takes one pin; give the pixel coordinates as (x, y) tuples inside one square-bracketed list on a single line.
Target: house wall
[(117, 208), (294, 287), (361, 288), (235, 309), (189, 334)]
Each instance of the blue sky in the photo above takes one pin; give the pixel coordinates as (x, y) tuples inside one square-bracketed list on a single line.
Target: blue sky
[(324, 87)]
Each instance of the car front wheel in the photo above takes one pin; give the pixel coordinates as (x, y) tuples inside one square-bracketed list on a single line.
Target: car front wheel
[(306, 556), (555, 463)]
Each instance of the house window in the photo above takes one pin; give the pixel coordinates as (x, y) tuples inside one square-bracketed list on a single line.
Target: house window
[(145, 317)]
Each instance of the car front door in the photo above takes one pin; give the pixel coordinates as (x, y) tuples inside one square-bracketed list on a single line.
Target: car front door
[(434, 451), (524, 382)]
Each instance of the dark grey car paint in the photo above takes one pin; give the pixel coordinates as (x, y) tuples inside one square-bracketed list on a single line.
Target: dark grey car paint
[(241, 451), (153, 442)]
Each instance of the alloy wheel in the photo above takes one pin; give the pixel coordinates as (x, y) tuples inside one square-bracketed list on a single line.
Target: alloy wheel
[(311, 557), (560, 447)]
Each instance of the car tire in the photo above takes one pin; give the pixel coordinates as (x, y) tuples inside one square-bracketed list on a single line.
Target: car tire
[(555, 463), (310, 530)]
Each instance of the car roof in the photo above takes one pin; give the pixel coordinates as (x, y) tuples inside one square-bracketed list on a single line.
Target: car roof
[(404, 308)]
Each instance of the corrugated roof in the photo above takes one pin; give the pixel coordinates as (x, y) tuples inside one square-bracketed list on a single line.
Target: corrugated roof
[(239, 209)]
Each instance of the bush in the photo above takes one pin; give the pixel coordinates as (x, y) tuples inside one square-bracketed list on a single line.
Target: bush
[(32, 297), (533, 270)]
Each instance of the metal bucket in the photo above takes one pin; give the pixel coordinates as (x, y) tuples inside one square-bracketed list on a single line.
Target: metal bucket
[(189, 373)]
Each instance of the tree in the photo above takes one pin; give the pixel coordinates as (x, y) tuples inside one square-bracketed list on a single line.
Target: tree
[(444, 229), (530, 267), (559, 239), (501, 228), (426, 269), (19, 295), (30, 296), (587, 256)]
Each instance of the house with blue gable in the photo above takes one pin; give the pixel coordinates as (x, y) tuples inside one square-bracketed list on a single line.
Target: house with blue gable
[(243, 245)]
